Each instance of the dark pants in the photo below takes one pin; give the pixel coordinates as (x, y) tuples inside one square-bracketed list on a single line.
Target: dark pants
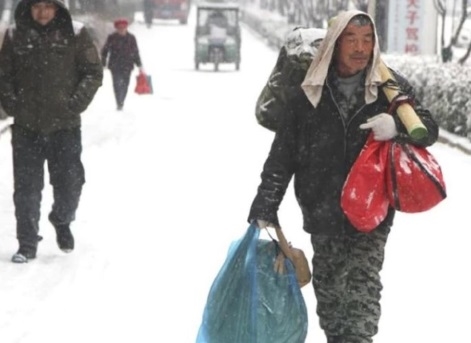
[(148, 15), (120, 85), (61, 150), (347, 284)]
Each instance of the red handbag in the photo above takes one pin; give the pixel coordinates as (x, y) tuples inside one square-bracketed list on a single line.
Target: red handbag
[(143, 84), (364, 199), (414, 179)]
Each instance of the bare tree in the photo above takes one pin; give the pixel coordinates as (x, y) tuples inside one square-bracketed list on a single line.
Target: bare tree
[(447, 50), (93, 6), (464, 16), (362, 5), (310, 13), (315, 13), (378, 10)]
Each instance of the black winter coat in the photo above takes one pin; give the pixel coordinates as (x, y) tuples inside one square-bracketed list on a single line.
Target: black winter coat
[(318, 146), (123, 52), (48, 74)]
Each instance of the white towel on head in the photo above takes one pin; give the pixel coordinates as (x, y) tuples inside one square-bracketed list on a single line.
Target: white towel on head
[(317, 72)]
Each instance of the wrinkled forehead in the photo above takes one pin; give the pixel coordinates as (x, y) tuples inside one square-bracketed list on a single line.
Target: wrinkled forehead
[(359, 25), (45, 3), (360, 20)]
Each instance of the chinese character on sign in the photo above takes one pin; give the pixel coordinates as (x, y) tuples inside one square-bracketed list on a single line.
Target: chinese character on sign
[(411, 48), (412, 27), (412, 30), (412, 33)]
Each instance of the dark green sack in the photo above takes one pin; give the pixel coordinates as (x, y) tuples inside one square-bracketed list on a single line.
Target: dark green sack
[(286, 77)]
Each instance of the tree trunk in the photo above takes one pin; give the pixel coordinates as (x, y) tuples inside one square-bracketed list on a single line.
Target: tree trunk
[(463, 59)]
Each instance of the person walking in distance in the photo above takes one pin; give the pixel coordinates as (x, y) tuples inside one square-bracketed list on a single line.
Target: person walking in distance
[(50, 71), (122, 53), (327, 120), (148, 7)]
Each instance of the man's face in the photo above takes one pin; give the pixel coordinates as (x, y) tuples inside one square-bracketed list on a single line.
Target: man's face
[(43, 12), (354, 49), (122, 29)]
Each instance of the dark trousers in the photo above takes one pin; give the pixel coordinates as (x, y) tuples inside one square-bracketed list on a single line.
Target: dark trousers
[(62, 151), (148, 15), (347, 284), (120, 85)]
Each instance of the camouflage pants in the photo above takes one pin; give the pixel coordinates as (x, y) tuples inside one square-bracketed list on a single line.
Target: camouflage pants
[(347, 284)]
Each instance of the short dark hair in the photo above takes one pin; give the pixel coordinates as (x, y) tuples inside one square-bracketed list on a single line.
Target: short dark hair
[(361, 20)]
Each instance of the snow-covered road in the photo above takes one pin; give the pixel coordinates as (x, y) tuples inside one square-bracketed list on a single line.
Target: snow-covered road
[(169, 184)]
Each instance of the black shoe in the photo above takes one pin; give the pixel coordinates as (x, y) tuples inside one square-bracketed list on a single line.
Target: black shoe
[(65, 239), (24, 254)]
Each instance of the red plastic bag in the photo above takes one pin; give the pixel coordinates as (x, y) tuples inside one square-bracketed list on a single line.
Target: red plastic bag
[(400, 175), (364, 199), (143, 84), (414, 178)]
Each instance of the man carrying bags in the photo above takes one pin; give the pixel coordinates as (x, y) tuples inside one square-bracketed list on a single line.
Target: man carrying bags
[(320, 137)]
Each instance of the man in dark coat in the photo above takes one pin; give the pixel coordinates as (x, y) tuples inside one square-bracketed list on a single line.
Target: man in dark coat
[(148, 7), (326, 124), (50, 71), (121, 47)]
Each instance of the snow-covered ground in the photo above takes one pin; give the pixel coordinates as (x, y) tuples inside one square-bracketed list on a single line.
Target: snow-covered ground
[(169, 184)]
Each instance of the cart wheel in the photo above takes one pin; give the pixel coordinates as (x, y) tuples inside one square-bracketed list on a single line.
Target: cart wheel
[(237, 65), (197, 65)]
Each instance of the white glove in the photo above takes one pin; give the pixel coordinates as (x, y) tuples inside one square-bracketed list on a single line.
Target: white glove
[(383, 126)]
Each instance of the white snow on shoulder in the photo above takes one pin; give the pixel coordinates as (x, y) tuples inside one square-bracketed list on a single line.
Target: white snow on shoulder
[(78, 26)]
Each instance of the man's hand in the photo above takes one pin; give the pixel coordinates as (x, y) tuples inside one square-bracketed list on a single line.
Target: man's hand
[(262, 224), (382, 125), (75, 105)]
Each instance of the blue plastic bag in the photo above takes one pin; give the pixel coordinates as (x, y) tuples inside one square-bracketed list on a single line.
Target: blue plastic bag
[(251, 303)]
